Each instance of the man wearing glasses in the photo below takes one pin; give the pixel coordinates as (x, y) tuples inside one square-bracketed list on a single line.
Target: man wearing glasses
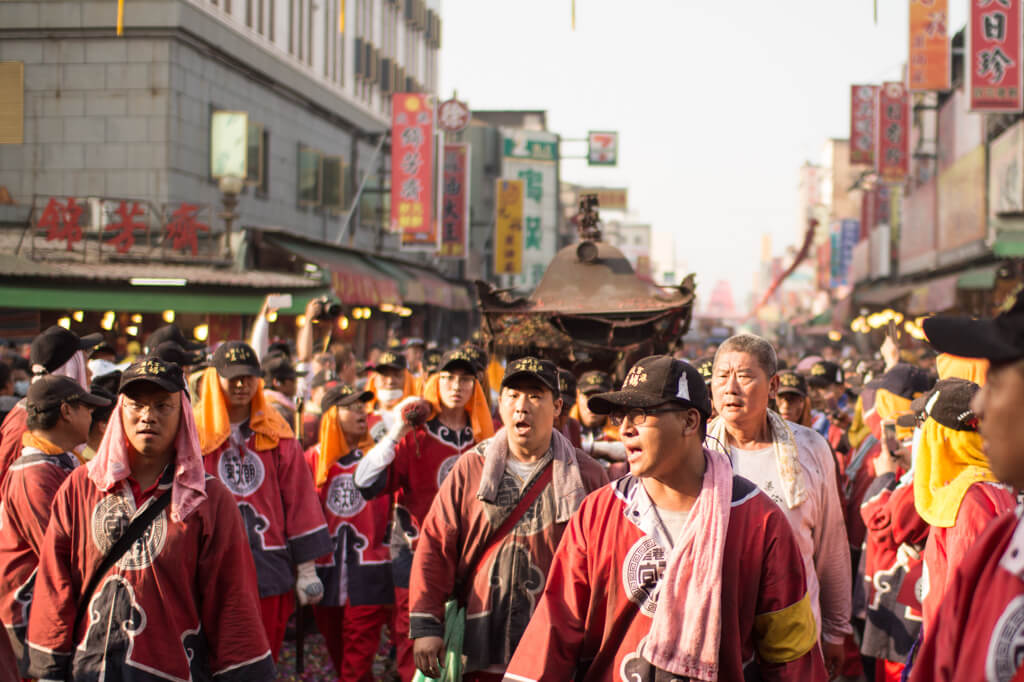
[(410, 465), (678, 569)]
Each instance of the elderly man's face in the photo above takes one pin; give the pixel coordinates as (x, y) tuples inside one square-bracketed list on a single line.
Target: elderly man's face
[(740, 388)]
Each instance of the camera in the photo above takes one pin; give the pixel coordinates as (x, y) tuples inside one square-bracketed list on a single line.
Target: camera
[(327, 310)]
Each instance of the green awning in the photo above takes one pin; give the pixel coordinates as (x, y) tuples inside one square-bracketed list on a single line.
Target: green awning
[(1009, 244), (982, 279), (78, 296), (413, 291)]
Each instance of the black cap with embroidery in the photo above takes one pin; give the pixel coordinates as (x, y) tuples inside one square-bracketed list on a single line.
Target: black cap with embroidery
[(236, 359), (999, 339), (706, 367), (166, 375), (594, 381), (50, 391), (280, 367), (171, 351), (390, 359), (792, 382), (824, 373), (657, 380), (948, 403), (567, 384), (458, 358), (478, 355), (432, 360), (543, 371), (54, 347), (343, 394)]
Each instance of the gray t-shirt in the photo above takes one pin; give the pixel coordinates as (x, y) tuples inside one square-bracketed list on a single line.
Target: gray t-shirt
[(673, 521)]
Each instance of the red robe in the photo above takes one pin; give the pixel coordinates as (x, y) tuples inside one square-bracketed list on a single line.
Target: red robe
[(280, 510), (946, 547), (358, 570), (600, 597), (27, 492), (977, 631), (14, 425), (423, 458), (178, 604)]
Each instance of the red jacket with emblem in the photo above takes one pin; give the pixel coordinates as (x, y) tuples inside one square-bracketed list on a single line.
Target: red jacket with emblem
[(178, 605), (27, 493), (977, 630), (600, 597), (358, 570), (280, 510)]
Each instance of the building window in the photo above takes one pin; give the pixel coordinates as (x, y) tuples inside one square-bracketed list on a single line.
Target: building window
[(256, 159), (310, 190), (334, 183)]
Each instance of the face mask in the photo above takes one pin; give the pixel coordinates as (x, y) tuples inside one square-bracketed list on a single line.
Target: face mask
[(21, 388), (389, 395)]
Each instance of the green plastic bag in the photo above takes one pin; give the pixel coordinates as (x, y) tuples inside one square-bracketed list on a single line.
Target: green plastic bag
[(454, 630)]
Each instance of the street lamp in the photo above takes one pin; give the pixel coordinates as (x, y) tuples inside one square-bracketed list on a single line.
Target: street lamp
[(230, 187)]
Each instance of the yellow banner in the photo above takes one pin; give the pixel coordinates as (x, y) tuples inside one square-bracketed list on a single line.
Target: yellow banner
[(508, 224)]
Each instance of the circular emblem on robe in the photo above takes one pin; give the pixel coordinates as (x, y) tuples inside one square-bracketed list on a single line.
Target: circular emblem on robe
[(446, 468), (110, 519), (241, 471), (343, 499), (641, 573), (1006, 645)]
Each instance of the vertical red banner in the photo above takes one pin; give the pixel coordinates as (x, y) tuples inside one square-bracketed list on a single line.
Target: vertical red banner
[(455, 204), (412, 144), (929, 62), (892, 160), (995, 79), (862, 123)]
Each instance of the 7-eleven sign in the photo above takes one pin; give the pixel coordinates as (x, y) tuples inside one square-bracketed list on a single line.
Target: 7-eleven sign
[(603, 149)]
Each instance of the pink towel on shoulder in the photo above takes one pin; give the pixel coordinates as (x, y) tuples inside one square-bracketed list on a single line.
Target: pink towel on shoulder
[(111, 464), (687, 628)]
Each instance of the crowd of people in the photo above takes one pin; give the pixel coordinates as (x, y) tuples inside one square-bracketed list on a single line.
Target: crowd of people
[(738, 513)]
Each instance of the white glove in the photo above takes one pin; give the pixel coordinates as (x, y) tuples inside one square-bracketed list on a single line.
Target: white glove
[(308, 585)]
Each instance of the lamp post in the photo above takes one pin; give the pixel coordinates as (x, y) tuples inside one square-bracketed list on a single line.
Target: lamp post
[(230, 187)]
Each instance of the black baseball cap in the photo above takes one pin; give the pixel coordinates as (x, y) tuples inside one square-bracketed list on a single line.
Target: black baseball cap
[(280, 367), (236, 359), (706, 367), (824, 373), (543, 371), (948, 403), (102, 347), (171, 332), (100, 414), (432, 360), (50, 391), (999, 339), (390, 359), (166, 375), (478, 354), (792, 382), (594, 381), (171, 351), (343, 394), (108, 382), (567, 384), (322, 378), (657, 380), (904, 380), (458, 358), (56, 345)]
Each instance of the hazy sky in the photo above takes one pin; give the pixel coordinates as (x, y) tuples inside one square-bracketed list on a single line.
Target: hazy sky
[(717, 103)]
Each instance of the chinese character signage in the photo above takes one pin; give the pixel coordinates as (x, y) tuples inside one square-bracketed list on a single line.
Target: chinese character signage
[(612, 198), (455, 203), (602, 148), (892, 150), (862, 123), (539, 173), (508, 227), (453, 115), (929, 45), (844, 239), (994, 74), (412, 140)]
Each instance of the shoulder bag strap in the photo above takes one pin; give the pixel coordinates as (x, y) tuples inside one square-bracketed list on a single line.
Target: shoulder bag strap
[(134, 531)]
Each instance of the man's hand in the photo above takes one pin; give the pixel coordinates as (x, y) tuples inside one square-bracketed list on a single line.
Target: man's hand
[(890, 352), (428, 652), (834, 655)]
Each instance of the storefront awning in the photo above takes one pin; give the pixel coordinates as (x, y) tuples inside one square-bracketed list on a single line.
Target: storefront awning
[(142, 299), (934, 296), (353, 279), (979, 279), (1009, 244), (414, 292), (882, 294)]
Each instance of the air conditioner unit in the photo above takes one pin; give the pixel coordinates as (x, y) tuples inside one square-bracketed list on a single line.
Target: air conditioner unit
[(374, 75), (358, 70), (386, 74), (367, 61), (410, 84), (410, 9)]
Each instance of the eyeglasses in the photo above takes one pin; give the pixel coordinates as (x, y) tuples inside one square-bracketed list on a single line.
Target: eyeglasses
[(638, 415)]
